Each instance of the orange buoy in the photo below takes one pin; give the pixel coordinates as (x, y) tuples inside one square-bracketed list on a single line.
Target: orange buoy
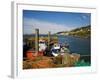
[(30, 55)]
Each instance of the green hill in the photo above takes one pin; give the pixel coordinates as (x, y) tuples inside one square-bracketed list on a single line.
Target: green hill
[(84, 32)]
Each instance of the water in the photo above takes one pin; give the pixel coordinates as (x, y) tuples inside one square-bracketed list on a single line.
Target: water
[(77, 45)]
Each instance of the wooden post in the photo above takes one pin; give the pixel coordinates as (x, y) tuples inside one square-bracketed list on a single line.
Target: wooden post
[(31, 43), (48, 39), (36, 41)]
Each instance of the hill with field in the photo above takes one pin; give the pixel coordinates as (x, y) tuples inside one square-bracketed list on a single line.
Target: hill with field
[(84, 32)]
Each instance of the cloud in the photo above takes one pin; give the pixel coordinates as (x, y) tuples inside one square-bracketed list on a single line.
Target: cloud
[(85, 16), (30, 25)]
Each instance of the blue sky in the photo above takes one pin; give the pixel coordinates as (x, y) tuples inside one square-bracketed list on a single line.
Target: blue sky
[(53, 21)]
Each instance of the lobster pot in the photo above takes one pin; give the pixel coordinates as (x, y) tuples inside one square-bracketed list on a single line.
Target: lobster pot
[(66, 59)]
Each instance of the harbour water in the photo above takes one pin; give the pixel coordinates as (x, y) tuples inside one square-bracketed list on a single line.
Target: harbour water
[(81, 46)]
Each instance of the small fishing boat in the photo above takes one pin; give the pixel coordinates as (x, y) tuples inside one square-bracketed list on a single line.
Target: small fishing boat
[(42, 45), (55, 50), (59, 49)]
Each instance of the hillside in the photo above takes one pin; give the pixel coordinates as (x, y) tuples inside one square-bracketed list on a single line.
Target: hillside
[(83, 32)]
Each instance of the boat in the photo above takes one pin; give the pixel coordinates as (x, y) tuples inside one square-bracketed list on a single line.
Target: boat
[(59, 49), (55, 50), (42, 45)]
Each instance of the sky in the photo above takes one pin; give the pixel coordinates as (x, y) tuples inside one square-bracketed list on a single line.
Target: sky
[(53, 21)]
